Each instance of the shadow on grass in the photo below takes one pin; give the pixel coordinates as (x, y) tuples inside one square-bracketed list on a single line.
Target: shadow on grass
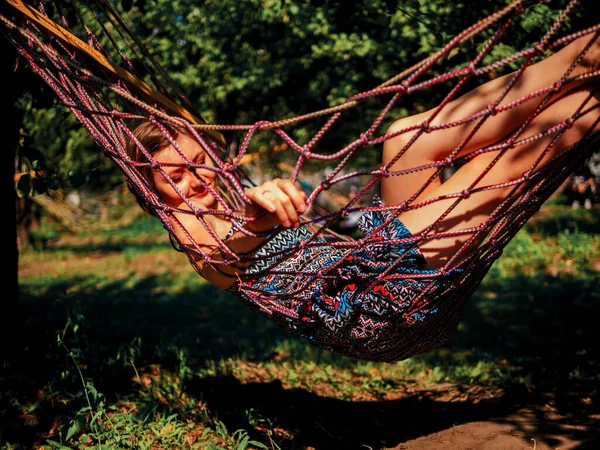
[(328, 423), (115, 246), (545, 325)]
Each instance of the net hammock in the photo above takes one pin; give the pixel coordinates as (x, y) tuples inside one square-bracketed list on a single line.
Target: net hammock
[(388, 313)]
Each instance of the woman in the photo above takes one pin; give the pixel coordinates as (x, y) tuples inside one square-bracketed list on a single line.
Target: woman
[(360, 301)]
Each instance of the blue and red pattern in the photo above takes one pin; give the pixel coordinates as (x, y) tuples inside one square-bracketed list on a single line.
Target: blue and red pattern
[(339, 299)]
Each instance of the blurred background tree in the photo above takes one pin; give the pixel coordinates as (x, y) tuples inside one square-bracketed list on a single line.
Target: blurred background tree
[(241, 62)]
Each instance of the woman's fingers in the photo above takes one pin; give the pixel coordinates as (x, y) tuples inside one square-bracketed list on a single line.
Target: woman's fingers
[(281, 198), (297, 196), (263, 198), (286, 213)]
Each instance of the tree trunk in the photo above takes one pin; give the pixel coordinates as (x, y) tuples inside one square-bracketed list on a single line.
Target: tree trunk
[(10, 317)]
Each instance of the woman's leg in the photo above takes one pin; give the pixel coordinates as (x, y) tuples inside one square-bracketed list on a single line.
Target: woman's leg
[(439, 144), (475, 209)]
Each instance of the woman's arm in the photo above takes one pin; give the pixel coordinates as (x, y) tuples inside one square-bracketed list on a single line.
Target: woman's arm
[(273, 203)]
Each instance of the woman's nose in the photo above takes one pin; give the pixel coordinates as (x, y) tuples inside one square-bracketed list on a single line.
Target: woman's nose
[(197, 182), (194, 179)]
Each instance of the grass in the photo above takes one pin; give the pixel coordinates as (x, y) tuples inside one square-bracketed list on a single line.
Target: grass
[(124, 346)]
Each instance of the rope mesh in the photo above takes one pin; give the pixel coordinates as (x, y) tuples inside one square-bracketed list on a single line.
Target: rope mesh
[(97, 80)]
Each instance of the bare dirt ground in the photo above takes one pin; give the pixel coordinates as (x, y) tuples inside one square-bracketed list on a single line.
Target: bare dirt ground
[(530, 428)]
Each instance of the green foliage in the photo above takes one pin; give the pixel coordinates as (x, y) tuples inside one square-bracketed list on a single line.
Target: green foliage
[(264, 60), (60, 152), (240, 62)]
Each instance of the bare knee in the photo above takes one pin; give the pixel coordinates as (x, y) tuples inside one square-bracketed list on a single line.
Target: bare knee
[(397, 146)]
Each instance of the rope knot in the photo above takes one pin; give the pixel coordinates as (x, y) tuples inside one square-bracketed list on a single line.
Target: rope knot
[(471, 67), (425, 127), (558, 86), (526, 176), (326, 185), (361, 243), (405, 85), (465, 194), (492, 110), (448, 162), (569, 122), (364, 139), (540, 48)]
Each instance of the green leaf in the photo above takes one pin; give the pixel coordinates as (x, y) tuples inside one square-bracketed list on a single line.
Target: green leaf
[(38, 164), (24, 185), (35, 157), (73, 429), (243, 444), (57, 446), (38, 185), (90, 387)]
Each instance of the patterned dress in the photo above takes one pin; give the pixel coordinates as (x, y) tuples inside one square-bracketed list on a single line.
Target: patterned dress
[(340, 299)]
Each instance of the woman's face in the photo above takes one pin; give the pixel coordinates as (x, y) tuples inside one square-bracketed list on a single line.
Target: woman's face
[(189, 182)]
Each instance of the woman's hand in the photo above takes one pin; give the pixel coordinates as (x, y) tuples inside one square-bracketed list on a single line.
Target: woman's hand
[(282, 199)]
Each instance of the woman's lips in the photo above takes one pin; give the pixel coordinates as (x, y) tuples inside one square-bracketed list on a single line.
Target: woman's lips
[(202, 191)]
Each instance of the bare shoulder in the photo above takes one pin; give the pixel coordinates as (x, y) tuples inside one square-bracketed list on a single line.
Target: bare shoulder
[(202, 249), (190, 230)]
